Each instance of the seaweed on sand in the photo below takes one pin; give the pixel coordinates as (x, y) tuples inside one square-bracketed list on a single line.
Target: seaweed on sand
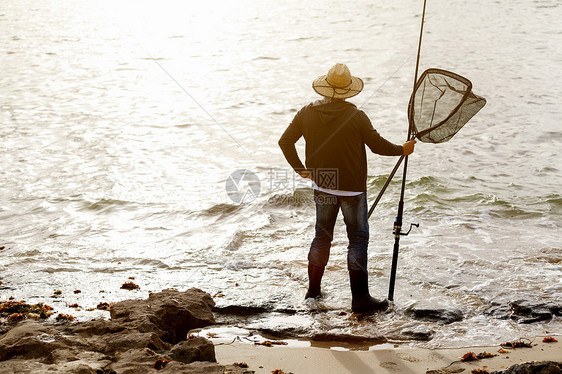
[(18, 310)]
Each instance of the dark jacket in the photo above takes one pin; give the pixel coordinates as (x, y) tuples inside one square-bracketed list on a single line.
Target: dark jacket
[(335, 134)]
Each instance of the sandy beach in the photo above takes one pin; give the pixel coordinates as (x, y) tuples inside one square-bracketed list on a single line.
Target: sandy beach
[(312, 359)]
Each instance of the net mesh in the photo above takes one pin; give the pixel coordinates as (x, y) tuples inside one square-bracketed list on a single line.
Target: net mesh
[(441, 104)]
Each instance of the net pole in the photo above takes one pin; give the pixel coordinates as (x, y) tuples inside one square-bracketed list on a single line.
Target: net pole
[(399, 215)]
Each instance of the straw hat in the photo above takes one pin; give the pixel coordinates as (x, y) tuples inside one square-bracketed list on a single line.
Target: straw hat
[(338, 83)]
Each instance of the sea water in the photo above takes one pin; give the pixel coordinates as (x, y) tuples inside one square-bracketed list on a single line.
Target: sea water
[(123, 125)]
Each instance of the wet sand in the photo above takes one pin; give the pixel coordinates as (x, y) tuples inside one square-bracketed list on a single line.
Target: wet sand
[(299, 360)]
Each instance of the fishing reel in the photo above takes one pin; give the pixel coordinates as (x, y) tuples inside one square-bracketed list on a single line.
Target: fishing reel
[(397, 229)]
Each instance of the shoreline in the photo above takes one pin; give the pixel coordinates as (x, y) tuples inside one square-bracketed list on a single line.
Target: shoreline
[(179, 330), (311, 359)]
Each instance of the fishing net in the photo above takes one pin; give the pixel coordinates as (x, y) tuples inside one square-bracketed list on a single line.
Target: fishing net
[(441, 104)]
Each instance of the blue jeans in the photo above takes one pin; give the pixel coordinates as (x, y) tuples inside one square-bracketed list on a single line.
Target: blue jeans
[(354, 209)]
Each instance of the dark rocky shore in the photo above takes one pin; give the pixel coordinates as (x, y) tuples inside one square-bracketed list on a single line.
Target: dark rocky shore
[(153, 334), (141, 336)]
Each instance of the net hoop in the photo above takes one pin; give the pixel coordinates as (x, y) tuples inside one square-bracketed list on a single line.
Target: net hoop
[(411, 105)]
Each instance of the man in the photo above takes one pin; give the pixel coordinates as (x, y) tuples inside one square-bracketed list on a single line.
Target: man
[(336, 133)]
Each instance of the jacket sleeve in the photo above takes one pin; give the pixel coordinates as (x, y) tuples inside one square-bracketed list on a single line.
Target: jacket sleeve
[(375, 142), (287, 143)]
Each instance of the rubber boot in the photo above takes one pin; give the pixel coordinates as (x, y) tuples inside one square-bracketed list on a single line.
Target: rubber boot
[(314, 278), (361, 301)]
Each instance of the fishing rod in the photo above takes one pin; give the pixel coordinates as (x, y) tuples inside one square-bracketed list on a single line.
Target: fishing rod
[(442, 102), (398, 221)]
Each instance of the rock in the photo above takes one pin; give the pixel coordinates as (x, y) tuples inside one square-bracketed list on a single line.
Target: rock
[(243, 310), (127, 340), (544, 367), (203, 367), (139, 333), (498, 310), (276, 303), (140, 361), (284, 332), (170, 312), (29, 340), (193, 349), (442, 316), (537, 316), (420, 333), (16, 366), (525, 311), (97, 327), (348, 338)]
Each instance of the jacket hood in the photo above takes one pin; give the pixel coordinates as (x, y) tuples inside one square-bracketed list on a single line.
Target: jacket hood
[(329, 111)]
